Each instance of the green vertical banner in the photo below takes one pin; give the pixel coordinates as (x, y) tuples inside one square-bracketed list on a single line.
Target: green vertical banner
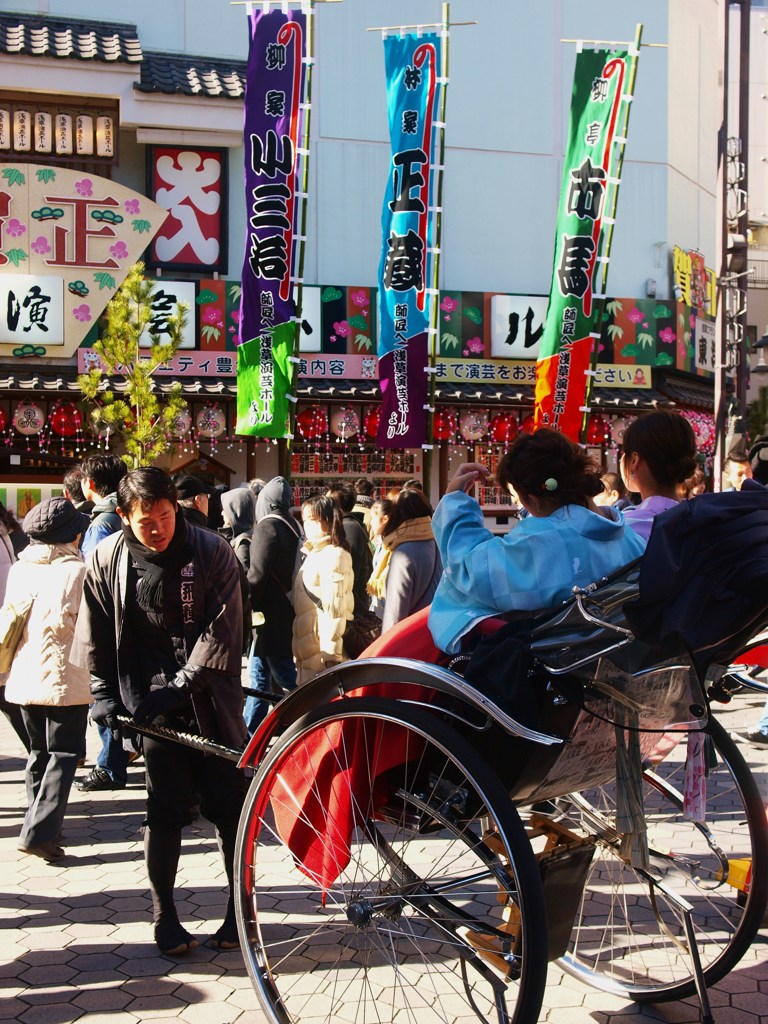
[(590, 174)]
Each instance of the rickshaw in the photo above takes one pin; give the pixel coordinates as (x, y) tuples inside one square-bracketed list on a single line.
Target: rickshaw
[(414, 848), (408, 849)]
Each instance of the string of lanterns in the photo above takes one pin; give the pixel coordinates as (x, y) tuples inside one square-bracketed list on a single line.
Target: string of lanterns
[(64, 424)]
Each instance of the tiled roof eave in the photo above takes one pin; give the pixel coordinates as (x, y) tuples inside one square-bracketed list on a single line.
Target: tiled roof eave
[(25, 34)]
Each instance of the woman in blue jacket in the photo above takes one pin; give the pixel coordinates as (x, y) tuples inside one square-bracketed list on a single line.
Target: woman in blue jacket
[(565, 541)]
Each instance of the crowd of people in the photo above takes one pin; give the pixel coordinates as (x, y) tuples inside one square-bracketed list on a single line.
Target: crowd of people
[(144, 592)]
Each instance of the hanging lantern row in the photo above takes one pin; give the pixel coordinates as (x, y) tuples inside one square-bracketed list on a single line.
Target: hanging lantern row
[(448, 425)]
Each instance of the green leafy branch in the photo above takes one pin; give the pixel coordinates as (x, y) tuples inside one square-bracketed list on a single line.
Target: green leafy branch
[(139, 417)]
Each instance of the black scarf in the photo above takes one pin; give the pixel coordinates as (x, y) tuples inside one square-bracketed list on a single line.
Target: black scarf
[(158, 568)]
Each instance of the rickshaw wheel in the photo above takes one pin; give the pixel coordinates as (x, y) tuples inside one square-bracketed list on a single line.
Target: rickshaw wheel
[(438, 911), (629, 935)]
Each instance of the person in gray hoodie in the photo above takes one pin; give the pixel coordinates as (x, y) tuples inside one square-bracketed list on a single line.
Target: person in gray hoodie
[(239, 514), (274, 546)]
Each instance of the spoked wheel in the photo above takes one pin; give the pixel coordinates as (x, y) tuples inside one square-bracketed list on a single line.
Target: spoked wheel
[(630, 933), (417, 896)]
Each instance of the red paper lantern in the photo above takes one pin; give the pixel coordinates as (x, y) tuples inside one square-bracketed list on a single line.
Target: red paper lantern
[(3, 420), (503, 428), (65, 420), (528, 424), (598, 430), (443, 425), (371, 422), (312, 422)]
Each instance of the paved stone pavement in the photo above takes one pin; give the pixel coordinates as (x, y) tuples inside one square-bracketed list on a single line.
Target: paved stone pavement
[(76, 941)]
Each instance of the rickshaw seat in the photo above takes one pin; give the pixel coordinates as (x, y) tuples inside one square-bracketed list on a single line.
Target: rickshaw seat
[(411, 638)]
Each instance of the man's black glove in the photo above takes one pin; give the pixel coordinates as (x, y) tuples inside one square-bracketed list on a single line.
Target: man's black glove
[(104, 711), (159, 702)]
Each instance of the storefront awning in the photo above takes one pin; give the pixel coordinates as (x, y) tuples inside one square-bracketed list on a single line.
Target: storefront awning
[(313, 390)]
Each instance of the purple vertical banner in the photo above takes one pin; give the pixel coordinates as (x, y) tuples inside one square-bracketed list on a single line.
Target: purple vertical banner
[(412, 71), (275, 83)]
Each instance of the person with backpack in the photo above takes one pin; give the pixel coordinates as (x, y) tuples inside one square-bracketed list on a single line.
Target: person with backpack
[(275, 555), (239, 515)]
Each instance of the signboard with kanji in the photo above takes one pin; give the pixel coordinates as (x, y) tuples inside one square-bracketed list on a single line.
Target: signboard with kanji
[(190, 182), (67, 240)]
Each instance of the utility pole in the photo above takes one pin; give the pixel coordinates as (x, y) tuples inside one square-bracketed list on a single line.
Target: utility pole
[(733, 358)]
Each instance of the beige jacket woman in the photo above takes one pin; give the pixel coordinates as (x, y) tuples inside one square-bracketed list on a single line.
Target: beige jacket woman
[(323, 602), (41, 672)]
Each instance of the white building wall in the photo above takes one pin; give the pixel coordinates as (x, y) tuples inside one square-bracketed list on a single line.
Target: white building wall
[(507, 112)]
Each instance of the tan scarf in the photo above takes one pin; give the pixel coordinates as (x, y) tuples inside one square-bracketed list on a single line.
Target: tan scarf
[(377, 584), (412, 529)]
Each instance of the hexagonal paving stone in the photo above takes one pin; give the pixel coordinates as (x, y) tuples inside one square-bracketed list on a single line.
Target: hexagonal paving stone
[(103, 999), (12, 1009), (89, 914), (50, 974), (62, 1013), (39, 957), (93, 961), (210, 1013), (140, 988), (123, 904), (147, 1006)]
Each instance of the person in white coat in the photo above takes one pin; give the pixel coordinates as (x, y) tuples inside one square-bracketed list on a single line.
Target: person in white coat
[(53, 694), (9, 529), (323, 597)]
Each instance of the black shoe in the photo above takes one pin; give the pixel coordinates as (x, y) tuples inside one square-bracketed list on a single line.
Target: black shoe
[(48, 851), (760, 739), (98, 779), (172, 938)]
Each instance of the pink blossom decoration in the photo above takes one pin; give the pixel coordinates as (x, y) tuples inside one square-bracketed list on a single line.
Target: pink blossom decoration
[(82, 313), (635, 315), (84, 187), (119, 250), (667, 335), (645, 324), (14, 227), (235, 316), (211, 315), (342, 328), (40, 245), (448, 304), (132, 206), (475, 344), (359, 297), (692, 320)]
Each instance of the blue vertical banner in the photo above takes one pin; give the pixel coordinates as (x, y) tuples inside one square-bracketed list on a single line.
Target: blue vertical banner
[(274, 102), (414, 75)]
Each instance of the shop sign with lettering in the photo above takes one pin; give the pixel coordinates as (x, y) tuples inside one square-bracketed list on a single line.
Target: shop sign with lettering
[(69, 234)]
